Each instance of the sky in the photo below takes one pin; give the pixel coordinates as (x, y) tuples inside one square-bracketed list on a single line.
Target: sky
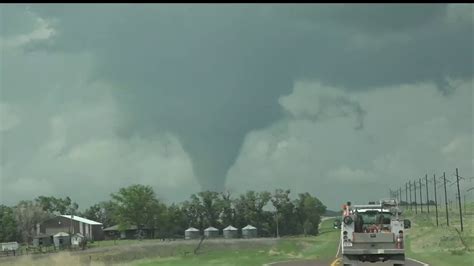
[(342, 101)]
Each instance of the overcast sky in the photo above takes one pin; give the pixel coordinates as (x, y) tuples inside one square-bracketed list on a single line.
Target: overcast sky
[(340, 101)]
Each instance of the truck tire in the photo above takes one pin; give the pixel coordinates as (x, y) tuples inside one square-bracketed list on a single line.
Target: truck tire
[(398, 264)]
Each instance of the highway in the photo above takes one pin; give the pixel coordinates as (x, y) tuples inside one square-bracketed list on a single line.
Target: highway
[(409, 262)]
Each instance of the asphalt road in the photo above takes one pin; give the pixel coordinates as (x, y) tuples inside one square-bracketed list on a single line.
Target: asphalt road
[(328, 263)]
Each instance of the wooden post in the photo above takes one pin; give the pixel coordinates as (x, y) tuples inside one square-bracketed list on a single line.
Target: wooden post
[(411, 202), (436, 198), (459, 200), (446, 199), (427, 195), (414, 186), (421, 197)]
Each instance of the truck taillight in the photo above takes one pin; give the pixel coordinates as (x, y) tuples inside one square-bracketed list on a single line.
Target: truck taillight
[(399, 242)]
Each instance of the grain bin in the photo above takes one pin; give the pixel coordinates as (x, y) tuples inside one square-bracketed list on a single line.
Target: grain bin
[(249, 232), (230, 232), (191, 233), (211, 232)]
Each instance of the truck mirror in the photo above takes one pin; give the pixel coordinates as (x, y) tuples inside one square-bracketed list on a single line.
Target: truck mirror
[(407, 223)]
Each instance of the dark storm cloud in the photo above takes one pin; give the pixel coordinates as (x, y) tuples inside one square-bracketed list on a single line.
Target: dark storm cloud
[(16, 20), (371, 18), (212, 73)]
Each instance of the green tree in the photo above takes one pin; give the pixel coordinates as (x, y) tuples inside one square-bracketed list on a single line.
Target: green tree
[(27, 215), (194, 212), (211, 205), (174, 222), (103, 212), (228, 212), (249, 208), (8, 228), (57, 205), (137, 205), (286, 212), (308, 211)]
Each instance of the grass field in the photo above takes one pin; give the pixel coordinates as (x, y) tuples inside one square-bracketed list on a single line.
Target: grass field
[(442, 245), (321, 247)]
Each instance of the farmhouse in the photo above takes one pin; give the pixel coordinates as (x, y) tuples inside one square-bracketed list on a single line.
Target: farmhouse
[(71, 224)]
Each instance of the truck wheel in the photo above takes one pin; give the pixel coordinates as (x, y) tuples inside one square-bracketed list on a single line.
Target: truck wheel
[(398, 264)]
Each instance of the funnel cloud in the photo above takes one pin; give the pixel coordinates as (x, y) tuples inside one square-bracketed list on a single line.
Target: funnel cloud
[(119, 82)]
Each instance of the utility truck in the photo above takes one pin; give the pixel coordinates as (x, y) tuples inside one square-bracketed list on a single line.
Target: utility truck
[(372, 233)]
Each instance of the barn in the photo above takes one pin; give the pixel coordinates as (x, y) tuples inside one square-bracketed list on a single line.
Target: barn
[(72, 224)]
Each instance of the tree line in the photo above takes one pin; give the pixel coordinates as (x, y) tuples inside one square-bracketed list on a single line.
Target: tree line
[(138, 205)]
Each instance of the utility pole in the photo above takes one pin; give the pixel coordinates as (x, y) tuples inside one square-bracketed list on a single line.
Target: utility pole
[(446, 199), (400, 189), (406, 197), (427, 195), (459, 200), (416, 209), (421, 197), (278, 231), (436, 198), (411, 202)]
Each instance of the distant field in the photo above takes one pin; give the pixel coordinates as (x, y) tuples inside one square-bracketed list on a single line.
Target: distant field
[(322, 247), (180, 252), (441, 246)]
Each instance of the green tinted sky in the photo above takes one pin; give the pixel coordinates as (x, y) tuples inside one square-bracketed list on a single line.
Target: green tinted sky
[(339, 101)]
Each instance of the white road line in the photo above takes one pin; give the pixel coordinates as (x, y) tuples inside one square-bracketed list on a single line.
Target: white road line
[(275, 262), (417, 261)]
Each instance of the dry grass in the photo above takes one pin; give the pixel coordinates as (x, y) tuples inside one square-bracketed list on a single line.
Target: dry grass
[(126, 254)]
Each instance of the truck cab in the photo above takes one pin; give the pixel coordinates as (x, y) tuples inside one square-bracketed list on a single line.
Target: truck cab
[(372, 233)]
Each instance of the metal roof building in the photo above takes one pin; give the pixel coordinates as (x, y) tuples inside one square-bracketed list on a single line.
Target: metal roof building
[(72, 224), (80, 219)]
